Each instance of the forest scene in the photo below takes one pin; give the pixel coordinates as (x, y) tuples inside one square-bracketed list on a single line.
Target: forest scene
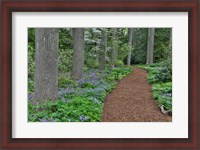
[(99, 75)]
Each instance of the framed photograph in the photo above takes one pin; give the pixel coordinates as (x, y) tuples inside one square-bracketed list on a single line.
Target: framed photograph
[(100, 74)]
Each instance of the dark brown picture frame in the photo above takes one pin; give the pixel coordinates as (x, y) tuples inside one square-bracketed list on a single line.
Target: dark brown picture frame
[(9, 6)]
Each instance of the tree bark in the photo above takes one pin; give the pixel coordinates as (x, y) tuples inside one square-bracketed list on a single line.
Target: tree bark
[(114, 48), (150, 46), (116, 45), (133, 37), (78, 53), (170, 38), (130, 36), (102, 51), (46, 64), (170, 44)]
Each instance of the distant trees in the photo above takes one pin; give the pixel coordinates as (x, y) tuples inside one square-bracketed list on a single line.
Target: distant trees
[(46, 64), (102, 50), (78, 53), (130, 40), (150, 46)]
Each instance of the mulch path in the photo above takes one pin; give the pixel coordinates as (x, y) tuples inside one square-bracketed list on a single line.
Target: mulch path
[(131, 101)]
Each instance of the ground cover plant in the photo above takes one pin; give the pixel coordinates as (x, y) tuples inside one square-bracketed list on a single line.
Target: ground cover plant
[(79, 101), (160, 76)]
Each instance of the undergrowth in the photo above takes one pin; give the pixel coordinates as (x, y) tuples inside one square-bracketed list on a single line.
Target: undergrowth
[(78, 101), (160, 76)]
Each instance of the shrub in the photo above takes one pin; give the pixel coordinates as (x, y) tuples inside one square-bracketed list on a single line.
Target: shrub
[(159, 72), (64, 81), (30, 86), (119, 63), (79, 101), (160, 76), (118, 73), (162, 93), (80, 109)]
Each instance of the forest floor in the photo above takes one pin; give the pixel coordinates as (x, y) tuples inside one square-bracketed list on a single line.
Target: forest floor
[(132, 101)]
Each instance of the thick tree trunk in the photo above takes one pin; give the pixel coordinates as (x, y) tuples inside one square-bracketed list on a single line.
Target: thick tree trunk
[(130, 36), (133, 37), (78, 53), (46, 64), (170, 39), (114, 47), (150, 46), (102, 51), (170, 44)]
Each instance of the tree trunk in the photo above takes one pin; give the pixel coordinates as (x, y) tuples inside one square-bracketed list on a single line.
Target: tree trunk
[(170, 44), (130, 36), (78, 53), (116, 45), (46, 64), (102, 51), (114, 49), (133, 37), (150, 46), (170, 38)]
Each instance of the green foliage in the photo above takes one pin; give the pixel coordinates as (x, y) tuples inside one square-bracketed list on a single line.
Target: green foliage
[(79, 109), (92, 47), (161, 45), (119, 63), (162, 93), (64, 80), (65, 52), (140, 46), (91, 63), (123, 51), (118, 73), (30, 86), (83, 100), (31, 62), (87, 85), (79, 101), (31, 37), (162, 50), (160, 76), (159, 72), (31, 59)]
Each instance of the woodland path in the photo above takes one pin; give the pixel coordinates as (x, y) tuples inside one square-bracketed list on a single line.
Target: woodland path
[(131, 101)]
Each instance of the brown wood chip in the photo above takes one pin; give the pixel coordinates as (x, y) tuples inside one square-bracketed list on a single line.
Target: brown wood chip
[(131, 101)]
